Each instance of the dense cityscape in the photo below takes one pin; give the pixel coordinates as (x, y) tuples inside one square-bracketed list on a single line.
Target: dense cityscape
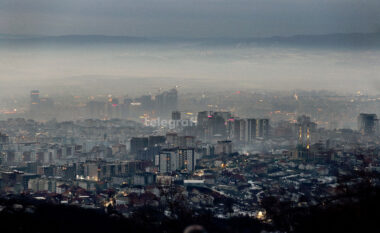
[(157, 151)]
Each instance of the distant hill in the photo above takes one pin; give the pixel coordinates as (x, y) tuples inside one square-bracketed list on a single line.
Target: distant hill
[(338, 40), (73, 39), (366, 40)]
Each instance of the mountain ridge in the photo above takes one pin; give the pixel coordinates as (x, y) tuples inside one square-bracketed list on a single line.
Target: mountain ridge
[(362, 40)]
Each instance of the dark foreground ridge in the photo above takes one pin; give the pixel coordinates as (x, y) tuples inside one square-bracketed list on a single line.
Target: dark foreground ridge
[(356, 209), (23, 214)]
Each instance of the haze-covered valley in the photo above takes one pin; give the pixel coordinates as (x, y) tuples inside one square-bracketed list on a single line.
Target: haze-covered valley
[(101, 65)]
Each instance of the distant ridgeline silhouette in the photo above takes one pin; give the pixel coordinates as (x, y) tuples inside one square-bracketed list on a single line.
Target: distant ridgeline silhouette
[(336, 40)]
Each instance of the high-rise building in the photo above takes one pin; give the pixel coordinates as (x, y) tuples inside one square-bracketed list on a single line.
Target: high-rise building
[(187, 160), (305, 128), (113, 108), (233, 129), (95, 109), (146, 101), (172, 99), (216, 127), (203, 118), (247, 130), (176, 159), (368, 124), (224, 147), (262, 128), (176, 115), (41, 107), (138, 144), (149, 153), (34, 102), (212, 125), (35, 96), (186, 141), (251, 128), (166, 102), (125, 108), (242, 132), (156, 140), (225, 115), (4, 139), (172, 139), (168, 160)]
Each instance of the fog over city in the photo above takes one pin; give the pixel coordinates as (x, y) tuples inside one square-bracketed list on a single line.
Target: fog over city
[(106, 67)]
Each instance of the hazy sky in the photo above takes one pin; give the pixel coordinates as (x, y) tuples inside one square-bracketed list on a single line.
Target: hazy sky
[(188, 18), (28, 67)]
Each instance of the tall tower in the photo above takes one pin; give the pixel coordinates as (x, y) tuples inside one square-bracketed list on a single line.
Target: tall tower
[(34, 102), (367, 124), (176, 115), (35, 96), (305, 128), (251, 125)]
